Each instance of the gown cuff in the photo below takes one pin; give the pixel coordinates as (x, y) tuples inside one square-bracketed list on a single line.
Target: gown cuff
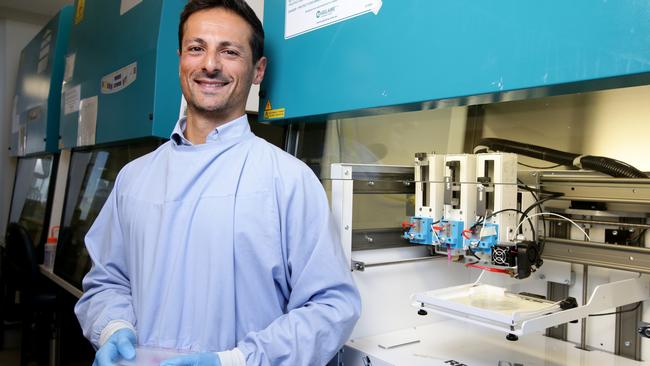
[(234, 357), (112, 327)]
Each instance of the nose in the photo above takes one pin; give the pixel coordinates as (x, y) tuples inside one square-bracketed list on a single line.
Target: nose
[(212, 62)]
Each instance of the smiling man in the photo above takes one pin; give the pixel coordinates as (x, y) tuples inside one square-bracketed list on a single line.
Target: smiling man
[(217, 243)]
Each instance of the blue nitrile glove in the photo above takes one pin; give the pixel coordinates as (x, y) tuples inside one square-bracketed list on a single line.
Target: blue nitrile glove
[(196, 359), (119, 346)]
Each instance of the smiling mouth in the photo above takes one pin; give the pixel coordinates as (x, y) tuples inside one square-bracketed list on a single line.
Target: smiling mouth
[(211, 84)]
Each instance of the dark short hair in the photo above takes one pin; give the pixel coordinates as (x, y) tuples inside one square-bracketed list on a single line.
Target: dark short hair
[(238, 7)]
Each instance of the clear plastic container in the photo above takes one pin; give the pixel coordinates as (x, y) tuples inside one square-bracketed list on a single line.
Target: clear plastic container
[(50, 248), (150, 356), (50, 254)]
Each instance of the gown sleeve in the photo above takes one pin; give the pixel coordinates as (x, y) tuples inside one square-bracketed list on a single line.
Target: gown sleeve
[(324, 303), (107, 289)]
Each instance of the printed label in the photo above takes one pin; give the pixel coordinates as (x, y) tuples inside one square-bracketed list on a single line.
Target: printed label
[(302, 16), (120, 79), (274, 113), (71, 100), (79, 11), (87, 121)]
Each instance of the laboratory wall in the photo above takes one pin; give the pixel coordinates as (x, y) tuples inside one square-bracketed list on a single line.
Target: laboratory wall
[(15, 32), (612, 123)]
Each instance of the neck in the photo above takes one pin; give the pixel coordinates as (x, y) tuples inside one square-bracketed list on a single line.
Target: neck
[(198, 126)]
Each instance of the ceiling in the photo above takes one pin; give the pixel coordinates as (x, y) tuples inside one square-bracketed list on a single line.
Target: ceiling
[(38, 7)]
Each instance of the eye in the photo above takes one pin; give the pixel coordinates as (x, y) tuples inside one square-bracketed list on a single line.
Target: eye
[(195, 49), (231, 53)]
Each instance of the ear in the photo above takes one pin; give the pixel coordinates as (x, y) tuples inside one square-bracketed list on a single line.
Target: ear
[(178, 52), (260, 69)]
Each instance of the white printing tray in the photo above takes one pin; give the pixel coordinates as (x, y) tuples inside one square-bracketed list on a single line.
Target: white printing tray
[(494, 307), (488, 302)]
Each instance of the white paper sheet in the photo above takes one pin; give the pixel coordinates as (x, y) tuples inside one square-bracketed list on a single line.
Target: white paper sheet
[(302, 16), (69, 67), (87, 121), (71, 99)]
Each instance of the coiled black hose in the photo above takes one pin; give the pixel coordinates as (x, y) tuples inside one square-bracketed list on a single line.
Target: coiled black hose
[(611, 167)]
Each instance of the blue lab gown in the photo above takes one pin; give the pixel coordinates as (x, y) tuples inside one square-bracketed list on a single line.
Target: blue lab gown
[(221, 245)]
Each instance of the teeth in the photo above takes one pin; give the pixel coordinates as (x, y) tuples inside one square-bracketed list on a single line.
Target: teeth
[(211, 83)]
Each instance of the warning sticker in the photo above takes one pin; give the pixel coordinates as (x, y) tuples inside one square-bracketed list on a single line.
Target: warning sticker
[(274, 113), (79, 12)]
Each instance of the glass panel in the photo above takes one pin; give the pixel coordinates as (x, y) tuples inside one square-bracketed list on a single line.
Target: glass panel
[(30, 198), (90, 180), (611, 123)]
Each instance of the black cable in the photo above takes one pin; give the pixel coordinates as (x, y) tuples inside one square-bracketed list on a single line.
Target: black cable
[(539, 203), (532, 191), (609, 166), (638, 304), (469, 248), (539, 167)]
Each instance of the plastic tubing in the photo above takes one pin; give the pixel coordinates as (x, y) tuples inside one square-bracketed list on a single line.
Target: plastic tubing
[(609, 166)]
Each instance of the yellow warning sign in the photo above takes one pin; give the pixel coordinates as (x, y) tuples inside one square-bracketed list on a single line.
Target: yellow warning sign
[(79, 12), (274, 113), (268, 106)]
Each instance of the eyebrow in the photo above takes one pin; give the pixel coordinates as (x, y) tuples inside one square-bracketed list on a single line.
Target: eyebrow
[(202, 42)]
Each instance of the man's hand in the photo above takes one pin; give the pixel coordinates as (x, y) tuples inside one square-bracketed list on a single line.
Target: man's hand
[(119, 346), (197, 359)]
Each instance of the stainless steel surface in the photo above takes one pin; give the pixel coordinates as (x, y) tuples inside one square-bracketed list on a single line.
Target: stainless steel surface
[(627, 342), (370, 239), (61, 282), (590, 177), (557, 292), (599, 222), (635, 259), (361, 266), (585, 293), (385, 185), (591, 187)]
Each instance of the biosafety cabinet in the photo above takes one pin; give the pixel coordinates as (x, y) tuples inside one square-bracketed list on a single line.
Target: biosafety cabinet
[(35, 127), (121, 72), (121, 80), (35, 109), (352, 58)]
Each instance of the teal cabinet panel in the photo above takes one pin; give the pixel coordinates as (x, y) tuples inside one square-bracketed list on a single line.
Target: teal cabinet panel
[(126, 72), (35, 109), (421, 54)]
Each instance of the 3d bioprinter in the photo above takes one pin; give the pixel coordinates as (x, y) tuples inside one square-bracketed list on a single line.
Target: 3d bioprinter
[(465, 242)]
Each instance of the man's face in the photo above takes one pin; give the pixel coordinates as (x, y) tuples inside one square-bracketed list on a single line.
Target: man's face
[(216, 64)]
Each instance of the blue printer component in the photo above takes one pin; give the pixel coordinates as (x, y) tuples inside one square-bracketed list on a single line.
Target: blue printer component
[(36, 104), (451, 236), (420, 231), (487, 238)]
